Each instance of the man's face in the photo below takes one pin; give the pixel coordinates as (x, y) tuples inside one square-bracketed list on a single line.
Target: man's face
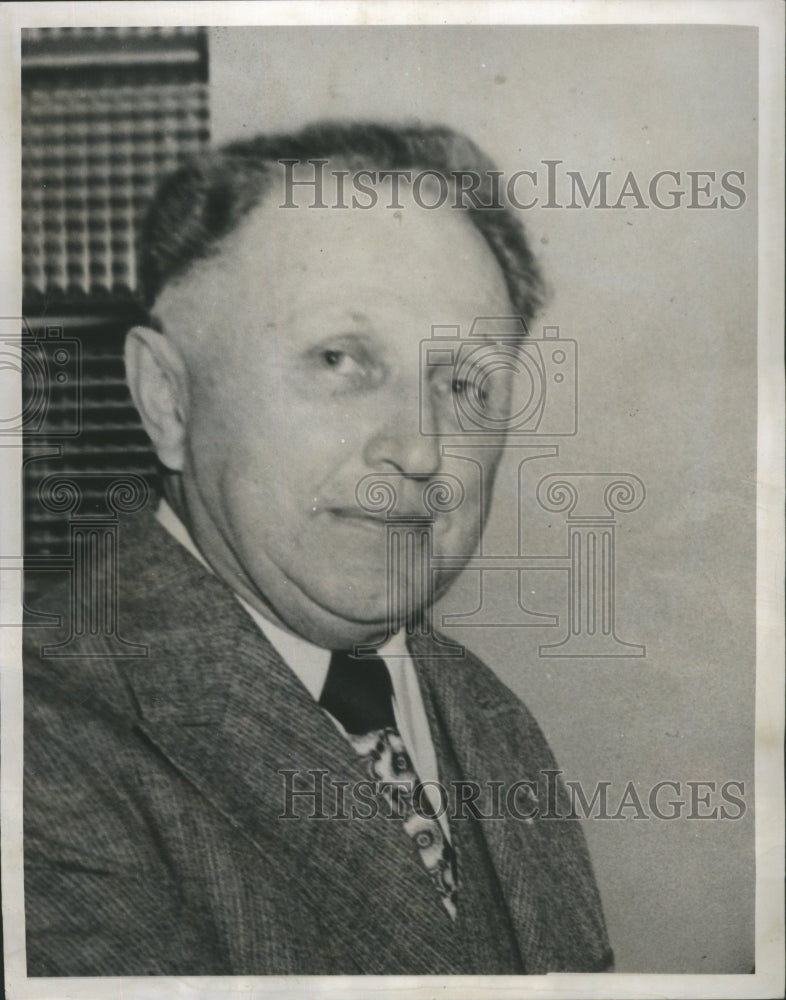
[(302, 345)]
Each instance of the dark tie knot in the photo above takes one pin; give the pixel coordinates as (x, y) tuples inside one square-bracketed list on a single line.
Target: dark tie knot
[(359, 693)]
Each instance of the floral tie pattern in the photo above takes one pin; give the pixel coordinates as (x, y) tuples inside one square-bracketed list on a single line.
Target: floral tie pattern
[(390, 767)]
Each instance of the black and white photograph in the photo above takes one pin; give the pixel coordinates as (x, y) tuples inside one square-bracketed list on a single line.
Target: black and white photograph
[(392, 536)]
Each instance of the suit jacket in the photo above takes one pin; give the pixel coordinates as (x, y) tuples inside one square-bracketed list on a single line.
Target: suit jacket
[(154, 842)]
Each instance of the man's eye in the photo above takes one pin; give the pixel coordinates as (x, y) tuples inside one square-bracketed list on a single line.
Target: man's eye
[(339, 361), (464, 388), (342, 368)]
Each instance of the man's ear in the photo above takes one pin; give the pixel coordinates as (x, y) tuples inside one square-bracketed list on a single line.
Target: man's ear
[(158, 382)]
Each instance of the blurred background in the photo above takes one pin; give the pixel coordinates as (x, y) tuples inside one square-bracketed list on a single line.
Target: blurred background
[(660, 303)]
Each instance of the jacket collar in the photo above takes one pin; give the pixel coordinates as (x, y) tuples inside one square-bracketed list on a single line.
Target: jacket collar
[(221, 705)]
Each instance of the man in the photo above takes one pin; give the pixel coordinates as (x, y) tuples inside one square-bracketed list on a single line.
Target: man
[(173, 820)]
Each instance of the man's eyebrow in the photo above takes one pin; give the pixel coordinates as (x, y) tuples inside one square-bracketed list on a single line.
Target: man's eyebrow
[(350, 323), (359, 338), (335, 313)]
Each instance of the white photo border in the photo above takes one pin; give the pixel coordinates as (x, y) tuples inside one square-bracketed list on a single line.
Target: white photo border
[(768, 979)]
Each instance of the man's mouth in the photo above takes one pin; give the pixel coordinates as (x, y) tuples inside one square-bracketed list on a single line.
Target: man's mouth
[(377, 518), (353, 516)]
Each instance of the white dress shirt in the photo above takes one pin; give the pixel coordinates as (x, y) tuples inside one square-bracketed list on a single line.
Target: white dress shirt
[(310, 663)]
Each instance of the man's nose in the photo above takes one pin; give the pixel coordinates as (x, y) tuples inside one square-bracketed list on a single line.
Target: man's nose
[(407, 440)]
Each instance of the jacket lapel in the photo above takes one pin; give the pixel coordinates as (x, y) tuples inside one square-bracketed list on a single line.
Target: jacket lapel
[(541, 864), (217, 700)]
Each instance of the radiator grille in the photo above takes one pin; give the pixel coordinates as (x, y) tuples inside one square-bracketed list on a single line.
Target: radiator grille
[(105, 113)]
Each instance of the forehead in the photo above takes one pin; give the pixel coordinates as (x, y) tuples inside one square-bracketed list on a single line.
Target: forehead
[(282, 261)]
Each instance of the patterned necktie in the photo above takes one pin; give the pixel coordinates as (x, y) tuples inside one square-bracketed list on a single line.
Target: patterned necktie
[(359, 694)]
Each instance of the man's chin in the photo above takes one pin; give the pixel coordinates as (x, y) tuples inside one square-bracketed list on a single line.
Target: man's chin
[(339, 633), (342, 620), (344, 626)]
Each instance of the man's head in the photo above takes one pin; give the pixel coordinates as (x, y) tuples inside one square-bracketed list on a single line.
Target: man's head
[(289, 367)]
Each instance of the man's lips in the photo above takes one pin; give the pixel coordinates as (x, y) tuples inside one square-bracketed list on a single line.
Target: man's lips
[(352, 514)]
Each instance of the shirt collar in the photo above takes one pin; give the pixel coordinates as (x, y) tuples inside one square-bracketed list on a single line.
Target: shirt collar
[(310, 664)]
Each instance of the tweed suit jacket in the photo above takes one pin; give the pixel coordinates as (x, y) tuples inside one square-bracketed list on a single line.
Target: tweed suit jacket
[(153, 797)]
